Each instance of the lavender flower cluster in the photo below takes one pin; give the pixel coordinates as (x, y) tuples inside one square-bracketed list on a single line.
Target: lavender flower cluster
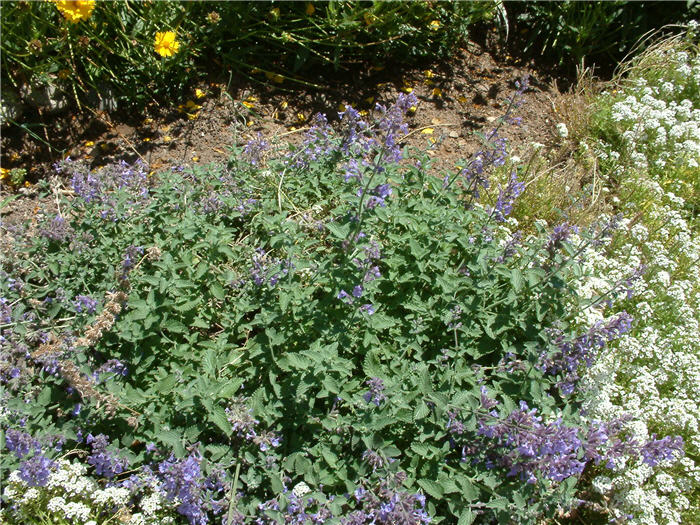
[(527, 446), (506, 198), (571, 355), (34, 470), (383, 504), (255, 148), (267, 270), (85, 303), (107, 463), (245, 426), (376, 391), (182, 482), (58, 230), (99, 187)]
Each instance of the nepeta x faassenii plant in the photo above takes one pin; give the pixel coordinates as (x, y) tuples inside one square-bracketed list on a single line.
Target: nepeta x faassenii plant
[(331, 335)]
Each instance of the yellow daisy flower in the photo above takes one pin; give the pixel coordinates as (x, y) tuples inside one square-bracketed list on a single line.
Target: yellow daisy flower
[(165, 44), (75, 10)]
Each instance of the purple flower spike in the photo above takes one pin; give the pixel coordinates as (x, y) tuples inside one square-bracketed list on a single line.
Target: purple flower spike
[(376, 389)]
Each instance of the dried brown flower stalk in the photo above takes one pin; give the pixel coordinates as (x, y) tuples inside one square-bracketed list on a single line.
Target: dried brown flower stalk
[(104, 321), (85, 387), (70, 372)]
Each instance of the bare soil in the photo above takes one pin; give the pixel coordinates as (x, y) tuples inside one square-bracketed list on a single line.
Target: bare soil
[(457, 100)]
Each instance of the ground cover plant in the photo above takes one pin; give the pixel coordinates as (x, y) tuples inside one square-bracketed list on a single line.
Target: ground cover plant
[(633, 149), (328, 334), (647, 137)]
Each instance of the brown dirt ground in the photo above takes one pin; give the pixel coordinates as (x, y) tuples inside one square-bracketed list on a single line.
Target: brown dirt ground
[(456, 99)]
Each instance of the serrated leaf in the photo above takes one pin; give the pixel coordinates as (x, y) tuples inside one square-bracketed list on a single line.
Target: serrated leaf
[(187, 306), (165, 385), (421, 411), (516, 279), (217, 291), (338, 231), (217, 415), (330, 457), (467, 517), (433, 488), (423, 450)]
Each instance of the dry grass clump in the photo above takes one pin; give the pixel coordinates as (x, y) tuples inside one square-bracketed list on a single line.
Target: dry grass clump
[(563, 182)]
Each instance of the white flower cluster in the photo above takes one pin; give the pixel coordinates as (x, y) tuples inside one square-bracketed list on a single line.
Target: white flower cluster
[(660, 119), (71, 496), (653, 373)]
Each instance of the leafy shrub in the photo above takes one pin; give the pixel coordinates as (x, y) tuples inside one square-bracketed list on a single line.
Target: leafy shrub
[(333, 334), (600, 32), (108, 53)]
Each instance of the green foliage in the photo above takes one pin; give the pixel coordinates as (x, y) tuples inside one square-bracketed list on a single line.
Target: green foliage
[(110, 55), (600, 32), (282, 293)]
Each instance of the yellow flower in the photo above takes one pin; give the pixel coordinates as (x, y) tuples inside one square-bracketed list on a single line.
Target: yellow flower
[(165, 44), (198, 93), (75, 10), (427, 131), (434, 25), (310, 9), (437, 92), (4, 173)]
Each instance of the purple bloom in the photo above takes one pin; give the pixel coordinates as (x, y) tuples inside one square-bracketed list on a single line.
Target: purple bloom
[(658, 450), (85, 303), (255, 148), (357, 291), (558, 236), (107, 463), (371, 274), (182, 482), (5, 311), (367, 308), (266, 269), (58, 230), (376, 389), (374, 459), (21, 443), (131, 255), (507, 197), (317, 142), (113, 366), (570, 355), (510, 249), (345, 297), (36, 470), (241, 418)]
